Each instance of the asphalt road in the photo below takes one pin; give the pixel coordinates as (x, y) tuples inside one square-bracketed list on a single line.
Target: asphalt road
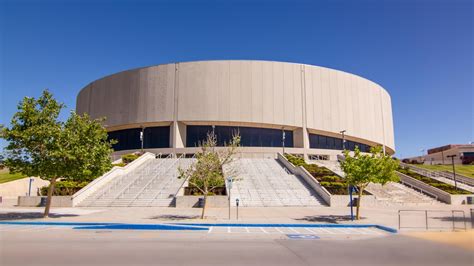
[(78, 247)]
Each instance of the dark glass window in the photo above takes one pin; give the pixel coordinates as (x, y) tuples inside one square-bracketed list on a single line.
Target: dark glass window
[(129, 139), (250, 136), (330, 143), (157, 137)]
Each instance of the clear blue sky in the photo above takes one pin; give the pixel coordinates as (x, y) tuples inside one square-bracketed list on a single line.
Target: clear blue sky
[(420, 51)]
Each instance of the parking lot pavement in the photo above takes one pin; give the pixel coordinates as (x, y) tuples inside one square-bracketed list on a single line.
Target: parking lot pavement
[(41, 245), (29, 228), (294, 230), (212, 232)]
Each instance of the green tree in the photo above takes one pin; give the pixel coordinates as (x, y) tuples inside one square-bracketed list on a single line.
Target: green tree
[(207, 173), (362, 169), (39, 144)]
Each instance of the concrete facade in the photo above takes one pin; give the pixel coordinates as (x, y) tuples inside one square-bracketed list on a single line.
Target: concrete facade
[(298, 97)]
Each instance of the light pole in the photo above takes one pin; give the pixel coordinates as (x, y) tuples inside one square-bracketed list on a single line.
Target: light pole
[(454, 170), (422, 154), (283, 139), (141, 138), (343, 139)]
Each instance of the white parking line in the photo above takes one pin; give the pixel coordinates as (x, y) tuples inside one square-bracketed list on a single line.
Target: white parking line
[(228, 229), (247, 229), (35, 228), (371, 231), (55, 228), (278, 229), (9, 227), (292, 229), (210, 229), (263, 230), (341, 230), (355, 231)]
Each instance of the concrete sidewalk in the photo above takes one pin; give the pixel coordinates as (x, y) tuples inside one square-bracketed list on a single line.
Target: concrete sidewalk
[(387, 216)]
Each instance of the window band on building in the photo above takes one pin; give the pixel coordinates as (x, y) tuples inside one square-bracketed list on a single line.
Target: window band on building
[(250, 136), (129, 139), (331, 143)]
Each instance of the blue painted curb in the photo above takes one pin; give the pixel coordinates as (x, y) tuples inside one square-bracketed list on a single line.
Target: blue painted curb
[(160, 227), (189, 226), (111, 226), (54, 223), (381, 227)]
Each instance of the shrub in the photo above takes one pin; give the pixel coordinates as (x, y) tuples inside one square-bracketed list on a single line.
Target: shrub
[(64, 188), (434, 183), (335, 185), (122, 164), (128, 158), (330, 178)]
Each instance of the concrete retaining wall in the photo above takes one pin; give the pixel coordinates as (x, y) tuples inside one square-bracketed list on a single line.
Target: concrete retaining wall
[(435, 192), (107, 177), (193, 201), (13, 189), (343, 200), (303, 173), (35, 201), (429, 173)]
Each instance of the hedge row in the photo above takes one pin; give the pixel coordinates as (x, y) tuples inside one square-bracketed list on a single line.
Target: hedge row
[(64, 188), (128, 158), (433, 182), (333, 183)]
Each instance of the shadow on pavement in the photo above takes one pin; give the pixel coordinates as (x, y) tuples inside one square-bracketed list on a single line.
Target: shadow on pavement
[(334, 219), (30, 215), (174, 217)]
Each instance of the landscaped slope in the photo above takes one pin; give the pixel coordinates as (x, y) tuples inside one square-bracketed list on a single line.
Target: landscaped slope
[(434, 183)]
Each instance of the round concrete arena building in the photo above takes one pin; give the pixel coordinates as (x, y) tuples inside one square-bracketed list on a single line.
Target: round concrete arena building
[(274, 106)]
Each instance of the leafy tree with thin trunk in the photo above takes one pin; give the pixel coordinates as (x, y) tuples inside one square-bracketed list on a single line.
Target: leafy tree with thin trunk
[(39, 144), (206, 173), (362, 169)]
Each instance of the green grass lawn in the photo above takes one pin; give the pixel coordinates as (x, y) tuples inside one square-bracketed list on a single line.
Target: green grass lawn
[(5, 176), (466, 170)]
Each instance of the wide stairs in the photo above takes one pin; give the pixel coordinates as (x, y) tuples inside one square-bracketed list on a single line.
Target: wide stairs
[(153, 184), (266, 183), (389, 194)]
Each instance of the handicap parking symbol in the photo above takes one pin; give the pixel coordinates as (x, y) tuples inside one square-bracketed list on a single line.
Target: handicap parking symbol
[(302, 236)]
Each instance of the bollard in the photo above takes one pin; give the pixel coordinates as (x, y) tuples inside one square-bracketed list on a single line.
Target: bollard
[(237, 204)]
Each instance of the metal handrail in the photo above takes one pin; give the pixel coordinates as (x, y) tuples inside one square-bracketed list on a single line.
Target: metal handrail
[(115, 184), (426, 212), (164, 186), (186, 179), (443, 174), (139, 176), (151, 181)]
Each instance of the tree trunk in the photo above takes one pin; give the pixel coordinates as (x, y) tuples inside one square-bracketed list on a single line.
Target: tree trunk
[(204, 206), (49, 198), (361, 190)]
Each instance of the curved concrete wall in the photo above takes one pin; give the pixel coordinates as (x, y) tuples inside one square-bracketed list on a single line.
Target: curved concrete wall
[(252, 93)]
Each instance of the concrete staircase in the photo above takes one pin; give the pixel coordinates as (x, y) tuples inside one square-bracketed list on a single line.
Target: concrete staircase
[(463, 182), (154, 183), (391, 193), (264, 182), (398, 194)]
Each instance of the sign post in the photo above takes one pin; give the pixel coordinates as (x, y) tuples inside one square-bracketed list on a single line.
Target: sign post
[(350, 202), (29, 187), (229, 186), (237, 204)]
